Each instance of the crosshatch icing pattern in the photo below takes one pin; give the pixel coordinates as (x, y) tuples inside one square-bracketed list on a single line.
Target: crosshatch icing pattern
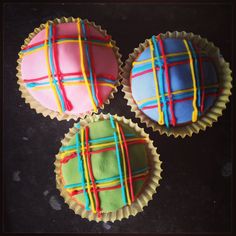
[(70, 67), (104, 171), (173, 81)]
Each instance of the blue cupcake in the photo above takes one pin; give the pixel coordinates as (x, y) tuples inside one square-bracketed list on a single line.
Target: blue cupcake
[(177, 83)]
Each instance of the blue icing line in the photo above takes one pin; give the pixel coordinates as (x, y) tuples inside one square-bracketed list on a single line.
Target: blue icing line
[(35, 84), (107, 80), (161, 78), (148, 65), (57, 40), (105, 180), (112, 122), (53, 69), (81, 170), (89, 63), (32, 85), (77, 125), (175, 97), (81, 78), (33, 48), (110, 138)]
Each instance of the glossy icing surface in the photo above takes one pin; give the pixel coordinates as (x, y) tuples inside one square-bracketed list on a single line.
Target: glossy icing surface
[(113, 171), (173, 81), (69, 52)]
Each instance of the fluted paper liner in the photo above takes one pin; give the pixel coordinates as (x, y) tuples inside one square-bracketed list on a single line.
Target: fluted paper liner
[(34, 104), (144, 197), (212, 115)]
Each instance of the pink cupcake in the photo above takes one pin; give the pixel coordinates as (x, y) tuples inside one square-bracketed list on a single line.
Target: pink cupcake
[(68, 68)]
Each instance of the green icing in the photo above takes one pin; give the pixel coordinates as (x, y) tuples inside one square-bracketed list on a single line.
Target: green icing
[(102, 161), (105, 165), (70, 172)]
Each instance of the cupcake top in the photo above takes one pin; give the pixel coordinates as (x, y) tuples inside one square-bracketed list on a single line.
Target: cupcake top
[(104, 166), (69, 68), (173, 81)]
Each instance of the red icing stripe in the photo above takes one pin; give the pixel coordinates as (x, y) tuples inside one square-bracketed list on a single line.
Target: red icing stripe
[(173, 120), (67, 158), (68, 104)]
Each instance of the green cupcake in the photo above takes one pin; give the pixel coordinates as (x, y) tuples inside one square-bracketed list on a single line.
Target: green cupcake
[(107, 168)]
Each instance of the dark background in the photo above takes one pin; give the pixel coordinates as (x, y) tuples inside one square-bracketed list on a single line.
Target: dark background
[(195, 192)]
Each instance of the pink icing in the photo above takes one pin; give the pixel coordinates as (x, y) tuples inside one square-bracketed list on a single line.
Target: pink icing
[(34, 66)]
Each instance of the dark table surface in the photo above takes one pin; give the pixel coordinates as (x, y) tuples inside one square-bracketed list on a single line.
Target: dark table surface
[(195, 192)]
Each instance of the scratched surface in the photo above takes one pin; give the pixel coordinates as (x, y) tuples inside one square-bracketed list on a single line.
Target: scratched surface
[(194, 195)]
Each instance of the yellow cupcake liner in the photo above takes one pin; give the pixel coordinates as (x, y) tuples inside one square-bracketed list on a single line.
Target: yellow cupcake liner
[(207, 120), (34, 104), (143, 199)]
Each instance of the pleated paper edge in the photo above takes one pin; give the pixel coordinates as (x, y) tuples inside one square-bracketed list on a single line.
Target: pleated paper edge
[(224, 75), (35, 105), (148, 192)]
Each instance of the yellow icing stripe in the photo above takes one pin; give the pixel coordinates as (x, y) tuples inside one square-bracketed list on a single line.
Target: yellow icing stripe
[(160, 113), (195, 110), (167, 55), (72, 84), (177, 92), (111, 182), (86, 171), (77, 41), (124, 164), (101, 145), (82, 66), (65, 41), (30, 52), (49, 71)]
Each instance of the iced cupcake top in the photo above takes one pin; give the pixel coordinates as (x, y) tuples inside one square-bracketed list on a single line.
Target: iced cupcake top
[(107, 168), (173, 81), (104, 166), (70, 68)]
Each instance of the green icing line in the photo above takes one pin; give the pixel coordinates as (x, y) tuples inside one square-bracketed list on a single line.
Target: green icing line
[(105, 165)]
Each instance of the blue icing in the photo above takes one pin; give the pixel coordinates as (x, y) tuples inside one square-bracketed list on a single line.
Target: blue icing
[(183, 112), (173, 45), (148, 87), (139, 68), (180, 77), (209, 73), (144, 55), (152, 113), (209, 102), (143, 86)]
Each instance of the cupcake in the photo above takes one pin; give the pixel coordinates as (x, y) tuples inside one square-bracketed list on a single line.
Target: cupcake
[(107, 168), (68, 68), (177, 83)]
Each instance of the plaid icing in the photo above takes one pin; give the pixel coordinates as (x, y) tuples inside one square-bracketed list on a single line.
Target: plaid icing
[(55, 79), (193, 84), (90, 185)]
